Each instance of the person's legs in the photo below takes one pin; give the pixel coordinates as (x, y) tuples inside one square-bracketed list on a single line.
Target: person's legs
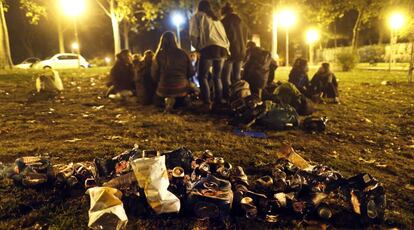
[(203, 69), (218, 84), (236, 72), (226, 76)]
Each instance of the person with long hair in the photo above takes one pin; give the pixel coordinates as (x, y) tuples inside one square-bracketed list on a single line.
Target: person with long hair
[(324, 84), (298, 76), (171, 70), (121, 77), (209, 37)]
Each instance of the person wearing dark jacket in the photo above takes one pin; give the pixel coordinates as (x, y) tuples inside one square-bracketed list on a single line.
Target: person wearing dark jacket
[(145, 85), (298, 76), (257, 69), (324, 84), (236, 35), (121, 77), (171, 70)]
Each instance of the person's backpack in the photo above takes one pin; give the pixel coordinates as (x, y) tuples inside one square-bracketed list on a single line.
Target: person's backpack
[(257, 67), (279, 117), (247, 110)]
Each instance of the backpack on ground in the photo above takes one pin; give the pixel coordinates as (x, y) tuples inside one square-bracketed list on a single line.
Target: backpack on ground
[(279, 117)]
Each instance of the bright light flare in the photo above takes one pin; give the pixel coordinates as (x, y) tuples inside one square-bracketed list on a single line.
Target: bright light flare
[(73, 8), (312, 36), (107, 60), (396, 20), (287, 18), (75, 46), (177, 19)]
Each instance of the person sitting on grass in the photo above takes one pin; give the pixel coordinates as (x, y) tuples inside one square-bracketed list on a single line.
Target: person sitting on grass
[(145, 85), (121, 78), (324, 84), (298, 76), (171, 70)]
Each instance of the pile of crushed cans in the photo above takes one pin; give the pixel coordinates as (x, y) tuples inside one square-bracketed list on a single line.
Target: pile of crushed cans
[(208, 186)]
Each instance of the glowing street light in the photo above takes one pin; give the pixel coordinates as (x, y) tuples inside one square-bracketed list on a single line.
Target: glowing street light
[(287, 19), (75, 46), (107, 60), (396, 21), (178, 20), (73, 9), (312, 36)]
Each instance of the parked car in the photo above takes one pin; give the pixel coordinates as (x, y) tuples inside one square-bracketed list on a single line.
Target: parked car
[(63, 61), (28, 63)]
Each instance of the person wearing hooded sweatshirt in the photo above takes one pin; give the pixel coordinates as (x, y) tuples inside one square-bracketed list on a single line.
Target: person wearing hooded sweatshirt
[(324, 84), (121, 77), (237, 37), (209, 37)]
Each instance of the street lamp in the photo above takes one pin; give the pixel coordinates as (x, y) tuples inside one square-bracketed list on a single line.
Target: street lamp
[(395, 21), (287, 18), (178, 20), (75, 46), (73, 9), (274, 35), (312, 36)]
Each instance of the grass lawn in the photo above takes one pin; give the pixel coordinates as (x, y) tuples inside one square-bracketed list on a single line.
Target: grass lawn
[(371, 131)]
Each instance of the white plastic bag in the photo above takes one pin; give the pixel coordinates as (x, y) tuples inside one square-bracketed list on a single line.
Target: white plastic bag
[(49, 81), (107, 210), (152, 176)]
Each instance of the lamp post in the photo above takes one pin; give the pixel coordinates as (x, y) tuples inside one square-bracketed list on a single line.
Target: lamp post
[(178, 20), (312, 36), (287, 19), (73, 9), (396, 21), (274, 35)]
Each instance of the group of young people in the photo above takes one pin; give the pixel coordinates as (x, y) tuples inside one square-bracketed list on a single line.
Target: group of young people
[(223, 58)]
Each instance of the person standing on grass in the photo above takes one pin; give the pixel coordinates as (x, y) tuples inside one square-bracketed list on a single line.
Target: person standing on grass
[(237, 38), (171, 70), (121, 77), (298, 76), (209, 38), (324, 84)]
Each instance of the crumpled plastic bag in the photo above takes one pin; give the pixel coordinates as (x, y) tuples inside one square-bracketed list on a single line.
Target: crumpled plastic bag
[(107, 210), (152, 176), (49, 81)]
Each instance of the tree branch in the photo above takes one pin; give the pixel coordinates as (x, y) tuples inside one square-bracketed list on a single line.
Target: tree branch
[(103, 8)]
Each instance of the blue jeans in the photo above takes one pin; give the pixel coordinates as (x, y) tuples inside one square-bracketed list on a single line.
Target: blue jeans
[(231, 74), (204, 68)]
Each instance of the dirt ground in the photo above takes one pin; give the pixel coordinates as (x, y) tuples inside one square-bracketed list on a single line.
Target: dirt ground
[(371, 131)]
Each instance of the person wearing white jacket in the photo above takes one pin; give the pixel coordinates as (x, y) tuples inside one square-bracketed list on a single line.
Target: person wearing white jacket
[(209, 38)]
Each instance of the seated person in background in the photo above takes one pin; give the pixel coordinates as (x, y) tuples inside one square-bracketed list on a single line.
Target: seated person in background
[(145, 85), (136, 59), (324, 84), (298, 76), (257, 68), (171, 69), (121, 77)]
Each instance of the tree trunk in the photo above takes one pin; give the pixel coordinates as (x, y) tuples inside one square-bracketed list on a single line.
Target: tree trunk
[(5, 55), (355, 31), (116, 34), (411, 69), (125, 34)]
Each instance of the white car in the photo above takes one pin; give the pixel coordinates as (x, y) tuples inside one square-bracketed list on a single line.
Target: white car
[(27, 64), (63, 61)]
